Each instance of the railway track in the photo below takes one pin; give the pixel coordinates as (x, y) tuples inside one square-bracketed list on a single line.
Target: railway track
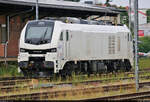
[(55, 94), (11, 87), (8, 81), (12, 81), (13, 84), (21, 83), (131, 96)]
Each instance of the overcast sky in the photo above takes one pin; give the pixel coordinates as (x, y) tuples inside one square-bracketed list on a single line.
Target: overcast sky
[(142, 3)]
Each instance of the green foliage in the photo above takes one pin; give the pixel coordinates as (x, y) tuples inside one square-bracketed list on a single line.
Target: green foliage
[(144, 63), (145, 45), (9, 71), (107, 3), (124, 16), (148, 15)]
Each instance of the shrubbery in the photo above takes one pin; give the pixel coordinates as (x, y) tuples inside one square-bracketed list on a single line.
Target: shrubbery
[(144, 46), (10, 71)]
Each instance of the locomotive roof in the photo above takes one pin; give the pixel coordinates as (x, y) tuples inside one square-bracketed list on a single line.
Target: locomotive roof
[(96, 28), (90, 27)]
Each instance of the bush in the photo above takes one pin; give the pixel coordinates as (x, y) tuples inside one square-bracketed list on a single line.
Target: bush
[(144, 63), (145, 45), (10, 71)]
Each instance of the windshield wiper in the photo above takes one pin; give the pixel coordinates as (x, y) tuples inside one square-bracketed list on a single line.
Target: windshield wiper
[(42, 38), (45, 33)]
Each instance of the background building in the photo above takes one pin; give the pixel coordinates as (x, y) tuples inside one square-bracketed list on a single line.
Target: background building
[(142, 16), (144, 29), (144, 26)]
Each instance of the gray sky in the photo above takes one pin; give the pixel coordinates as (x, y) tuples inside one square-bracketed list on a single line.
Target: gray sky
[(142, 3)]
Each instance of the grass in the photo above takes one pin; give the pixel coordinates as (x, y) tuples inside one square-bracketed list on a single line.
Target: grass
[(10, 71), (144, 63), (76, 82)]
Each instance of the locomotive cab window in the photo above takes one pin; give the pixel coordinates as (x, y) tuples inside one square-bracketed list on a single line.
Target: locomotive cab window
[(67, 35), (128, 37), (39, 32), (61, 36)]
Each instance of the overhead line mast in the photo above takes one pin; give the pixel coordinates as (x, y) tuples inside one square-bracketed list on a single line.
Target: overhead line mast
[(136, 43), (37, 10)]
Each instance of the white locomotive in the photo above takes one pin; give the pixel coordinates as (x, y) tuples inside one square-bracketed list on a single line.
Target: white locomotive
[(54, 46)]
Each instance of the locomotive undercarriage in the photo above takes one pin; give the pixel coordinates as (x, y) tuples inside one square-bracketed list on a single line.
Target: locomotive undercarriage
[(37, 67), (79, 67), (95, 67)]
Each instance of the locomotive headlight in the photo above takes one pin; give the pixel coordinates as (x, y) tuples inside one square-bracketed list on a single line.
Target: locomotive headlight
[(22, 50)]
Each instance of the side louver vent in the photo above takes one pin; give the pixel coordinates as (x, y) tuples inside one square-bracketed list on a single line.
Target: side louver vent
[(111, 45)]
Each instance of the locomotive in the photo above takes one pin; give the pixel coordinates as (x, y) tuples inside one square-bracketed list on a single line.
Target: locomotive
[(66, 45)]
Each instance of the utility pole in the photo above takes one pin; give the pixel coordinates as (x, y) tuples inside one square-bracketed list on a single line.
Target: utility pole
[(37, 10), (130, 14), (136, 43)]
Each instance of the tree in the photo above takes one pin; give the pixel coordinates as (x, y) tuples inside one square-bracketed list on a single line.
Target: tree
[(144, 46), (107, 2), (148, 15), (124, 16)]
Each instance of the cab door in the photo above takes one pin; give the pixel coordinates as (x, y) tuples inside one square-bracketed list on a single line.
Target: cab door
[(63, 45), (130, 46), (66, 45)]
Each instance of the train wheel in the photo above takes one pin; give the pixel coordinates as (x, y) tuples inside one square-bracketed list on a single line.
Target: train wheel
[(24, 72), (29, 73), (110, 67), (116, 68), (127, 66), (67, 71)]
